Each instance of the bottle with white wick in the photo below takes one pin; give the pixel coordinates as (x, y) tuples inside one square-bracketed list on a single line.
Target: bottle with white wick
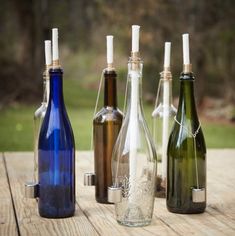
[(186, 166), (41, 111), (106, 126), (134, 157), (163, 119), (56, 149)]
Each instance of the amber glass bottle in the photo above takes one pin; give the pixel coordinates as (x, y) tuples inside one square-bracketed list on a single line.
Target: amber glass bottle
[(106, 126)]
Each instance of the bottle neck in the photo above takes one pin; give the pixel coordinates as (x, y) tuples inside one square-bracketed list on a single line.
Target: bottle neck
[(110, 88), (134, 86), (187, 107), (165, 93), (46, 86), (56, 87)]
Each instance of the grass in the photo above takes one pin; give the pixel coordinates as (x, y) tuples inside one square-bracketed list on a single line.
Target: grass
[(16, 123), (16, 129)]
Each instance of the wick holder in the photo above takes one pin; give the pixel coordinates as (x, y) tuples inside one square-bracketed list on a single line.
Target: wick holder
[(187, 68), (198, 195), (110, 67), (56, 64), (135, 60), (166, 74), (89, 179)]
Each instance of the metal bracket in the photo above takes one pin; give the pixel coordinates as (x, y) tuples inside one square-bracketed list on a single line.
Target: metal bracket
[(114, 194), (198, 195), (31, 190), (89, 179)]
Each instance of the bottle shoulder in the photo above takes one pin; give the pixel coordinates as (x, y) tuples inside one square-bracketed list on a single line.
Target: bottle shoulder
[(181, 137), (160, 111), (107, 114), (41, 111)]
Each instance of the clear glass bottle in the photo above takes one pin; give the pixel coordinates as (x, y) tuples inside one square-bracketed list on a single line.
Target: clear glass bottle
[(41, 111), (134, 157), (163, 119)]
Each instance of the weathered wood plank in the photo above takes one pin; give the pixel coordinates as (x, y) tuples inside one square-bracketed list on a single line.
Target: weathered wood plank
[(212, 222), (102, 215), (8, 225), (219, 218), (221, 191), (20, 167), (201, 224)]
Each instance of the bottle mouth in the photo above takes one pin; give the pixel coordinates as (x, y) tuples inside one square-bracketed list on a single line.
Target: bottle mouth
[(56, 70)]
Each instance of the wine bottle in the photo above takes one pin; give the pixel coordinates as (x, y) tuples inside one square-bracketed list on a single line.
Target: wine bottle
[(56, 150), (186, 167), (163, 119), (134, 157), (41, 111), (106, 126)]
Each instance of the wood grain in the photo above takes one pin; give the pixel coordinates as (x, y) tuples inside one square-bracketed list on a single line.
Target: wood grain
[(102, 215), (98, 219), (20, 169), (8, 224)]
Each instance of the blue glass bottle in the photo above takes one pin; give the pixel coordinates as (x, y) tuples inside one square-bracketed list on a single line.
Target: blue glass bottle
[(56, 155)]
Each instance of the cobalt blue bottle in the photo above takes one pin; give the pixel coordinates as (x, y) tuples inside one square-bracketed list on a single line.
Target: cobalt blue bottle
[(56, 154)]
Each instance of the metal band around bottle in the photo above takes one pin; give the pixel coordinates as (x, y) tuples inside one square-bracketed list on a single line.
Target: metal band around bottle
[(194, 144)]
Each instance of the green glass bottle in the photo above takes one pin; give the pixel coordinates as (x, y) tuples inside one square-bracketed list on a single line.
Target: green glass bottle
[(186, 164)]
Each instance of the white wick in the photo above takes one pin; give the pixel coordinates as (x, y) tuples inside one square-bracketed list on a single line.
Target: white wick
[(186, 49), (167, 55), (55, 49), (135, 38), (109, 41), (47, 52)]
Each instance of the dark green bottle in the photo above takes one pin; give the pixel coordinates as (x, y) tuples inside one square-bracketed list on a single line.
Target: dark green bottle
[(186, 165)]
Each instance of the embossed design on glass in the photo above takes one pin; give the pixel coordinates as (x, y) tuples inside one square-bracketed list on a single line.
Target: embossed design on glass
[(134, 157)]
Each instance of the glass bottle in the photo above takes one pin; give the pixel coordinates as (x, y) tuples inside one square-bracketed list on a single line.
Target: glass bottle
[(106, 127), (41, 111), (186, 167), (163, 119), (134, 157), (56, 154)]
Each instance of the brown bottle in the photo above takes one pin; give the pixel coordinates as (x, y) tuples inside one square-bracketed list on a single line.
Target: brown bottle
[(106, 126)]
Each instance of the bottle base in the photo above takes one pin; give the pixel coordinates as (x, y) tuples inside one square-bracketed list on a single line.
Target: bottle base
[(185, 211), (134, 223), (102, 200), (160, 194), (57, 214)]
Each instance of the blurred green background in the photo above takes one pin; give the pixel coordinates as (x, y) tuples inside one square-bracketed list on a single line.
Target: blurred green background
[(83, 26)]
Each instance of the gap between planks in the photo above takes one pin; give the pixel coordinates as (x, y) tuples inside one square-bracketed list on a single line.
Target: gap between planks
[(20, 169), (8, 221)]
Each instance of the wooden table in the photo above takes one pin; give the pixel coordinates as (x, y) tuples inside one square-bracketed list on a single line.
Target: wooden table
[(19, 216)]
